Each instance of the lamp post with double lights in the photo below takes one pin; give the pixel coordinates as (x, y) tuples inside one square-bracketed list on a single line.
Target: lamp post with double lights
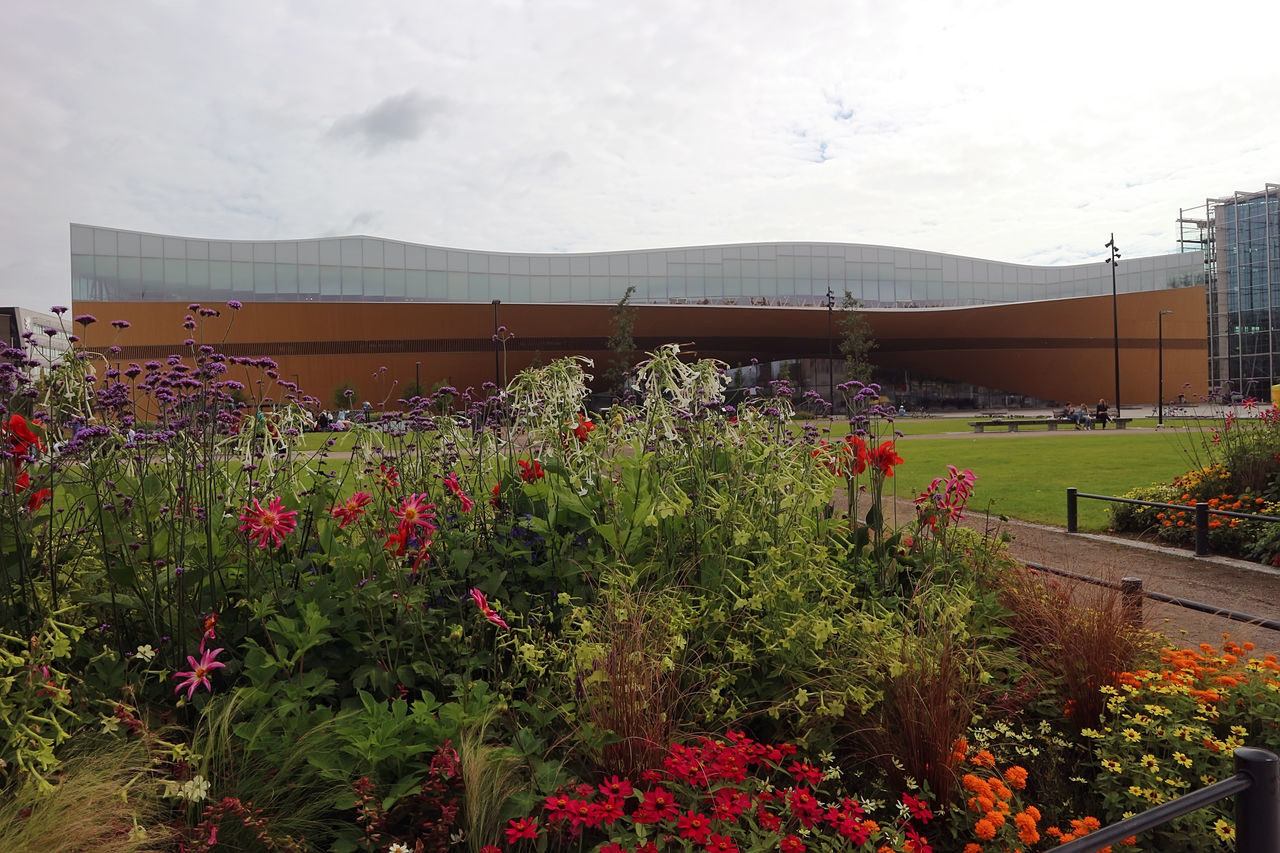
[(1160, 365), (831, 368), (1114, 261)]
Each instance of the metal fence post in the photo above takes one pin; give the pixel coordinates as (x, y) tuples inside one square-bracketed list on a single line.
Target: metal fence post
[(1202, 528), (1131, 589), (1258, 806), (1071, 511)]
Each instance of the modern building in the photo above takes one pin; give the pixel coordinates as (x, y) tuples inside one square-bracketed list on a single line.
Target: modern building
[(44, 336), (1239, 238), (341, 309)]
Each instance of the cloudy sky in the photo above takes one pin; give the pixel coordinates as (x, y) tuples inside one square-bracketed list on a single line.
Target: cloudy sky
[(1017, 131)]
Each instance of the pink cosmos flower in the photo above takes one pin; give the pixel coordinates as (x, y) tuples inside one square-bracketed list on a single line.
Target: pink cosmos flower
[(200, 670), (272, 522), (488, 612), (352, 508), (415, 512)]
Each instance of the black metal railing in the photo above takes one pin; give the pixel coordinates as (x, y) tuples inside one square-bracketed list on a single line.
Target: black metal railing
[(1256, 787), (1202, 513)]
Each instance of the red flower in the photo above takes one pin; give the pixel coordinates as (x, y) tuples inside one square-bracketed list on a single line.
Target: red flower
[(615, 787), (610, 810), (658, 804), (558, 806), (721, 844), (583, 428), (791, 844), (805, 772), (272, 522), (918, 807), (693, 826), (728, 803), (885, 457), (37, 499), (856, 449), (530, 471), (523, 828), (390, 478), (454, 486), (415, 512), (21, 437)]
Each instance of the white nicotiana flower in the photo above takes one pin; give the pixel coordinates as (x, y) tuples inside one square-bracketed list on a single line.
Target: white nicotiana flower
[(110, 725), (195, 789), (397, 848), (146, 653)]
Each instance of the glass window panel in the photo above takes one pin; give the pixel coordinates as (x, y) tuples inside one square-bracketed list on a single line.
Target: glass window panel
[(219, 251), (286, 253), (520, 288), (456, 261), (457, 285), (539, 289), (105, 268), (675, 287), (821, 268), (732, 268), (478, 287), (152, 271), (714, 286), (264, 253), (415, 282), (637, 264), (415, 258), (82, 240), (500, 263), (309, 252), (352, 255), (352, 277), (617, 265), (579, 288), (598, 290), (768, 286), (104, 242), (559, 266), (768, 269), (499, 285), (786, 266), (599, 265), (477, 262), (128, 244), (693, 288), (240, 251), (149, 247), (374, 283), (751, 287), (220, 275), (579, 265), (786, 287), (264, 278), (519, 264), (308, 278), (330, 279), (175, 272), (539, 266), (769, 252), (395, 282), (286, 277), (437, 259), (559, 288), (331, 254), (437, 285), (712, 256), (130, 269), (241, 276), (371, 253), (657, 263)]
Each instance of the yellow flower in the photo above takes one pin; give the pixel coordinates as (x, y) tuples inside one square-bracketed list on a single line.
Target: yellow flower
[(1224, 830), (1112, 765), (1240, 731), (1182, 759), (1149, 762), (1131, 735), (1094, 733)]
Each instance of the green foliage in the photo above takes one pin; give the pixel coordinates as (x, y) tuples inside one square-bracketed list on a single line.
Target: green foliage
[(856, 341), (621, 342), (345, 396)]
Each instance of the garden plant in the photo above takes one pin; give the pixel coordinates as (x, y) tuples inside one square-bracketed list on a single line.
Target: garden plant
[(497, 622)]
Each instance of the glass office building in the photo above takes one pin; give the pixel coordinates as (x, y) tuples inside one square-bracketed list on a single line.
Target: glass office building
[(1240, 239), (110, 265)]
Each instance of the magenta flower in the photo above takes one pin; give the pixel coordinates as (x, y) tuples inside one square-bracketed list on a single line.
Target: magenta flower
[(120, 324), (234, 304), (485, 610), (415, 512), (200, 670), (454, 486), (352, 508)]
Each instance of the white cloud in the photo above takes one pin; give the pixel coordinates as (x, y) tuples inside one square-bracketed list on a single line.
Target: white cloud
[(1006, 130)]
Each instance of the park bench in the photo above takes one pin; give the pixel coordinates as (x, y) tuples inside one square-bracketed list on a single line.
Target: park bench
[(1014, 424)]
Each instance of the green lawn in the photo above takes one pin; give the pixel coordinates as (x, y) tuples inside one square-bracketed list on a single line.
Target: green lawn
[(1027, 477)]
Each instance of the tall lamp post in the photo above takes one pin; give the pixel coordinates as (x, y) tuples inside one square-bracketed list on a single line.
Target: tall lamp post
[(417, 379), (1160, 365), (496, 378), (1114, 261), (831, 368)]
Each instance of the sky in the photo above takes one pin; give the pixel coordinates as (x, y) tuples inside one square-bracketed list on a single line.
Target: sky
[(1013, 131)]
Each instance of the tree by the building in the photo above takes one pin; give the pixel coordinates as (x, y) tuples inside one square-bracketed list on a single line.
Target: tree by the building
[(856, 342), (621, 342)]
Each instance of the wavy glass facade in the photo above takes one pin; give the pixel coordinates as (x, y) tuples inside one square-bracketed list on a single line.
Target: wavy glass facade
[(109, 265)]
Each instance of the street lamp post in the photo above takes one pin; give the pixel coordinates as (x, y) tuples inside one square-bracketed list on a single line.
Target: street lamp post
[(1114, 261), (831, 368), (1160, 365), (417, 379), (496, 378)]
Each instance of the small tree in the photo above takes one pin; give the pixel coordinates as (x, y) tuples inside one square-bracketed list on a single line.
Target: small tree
[(621, 342), (856, 342), (345, 396)]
